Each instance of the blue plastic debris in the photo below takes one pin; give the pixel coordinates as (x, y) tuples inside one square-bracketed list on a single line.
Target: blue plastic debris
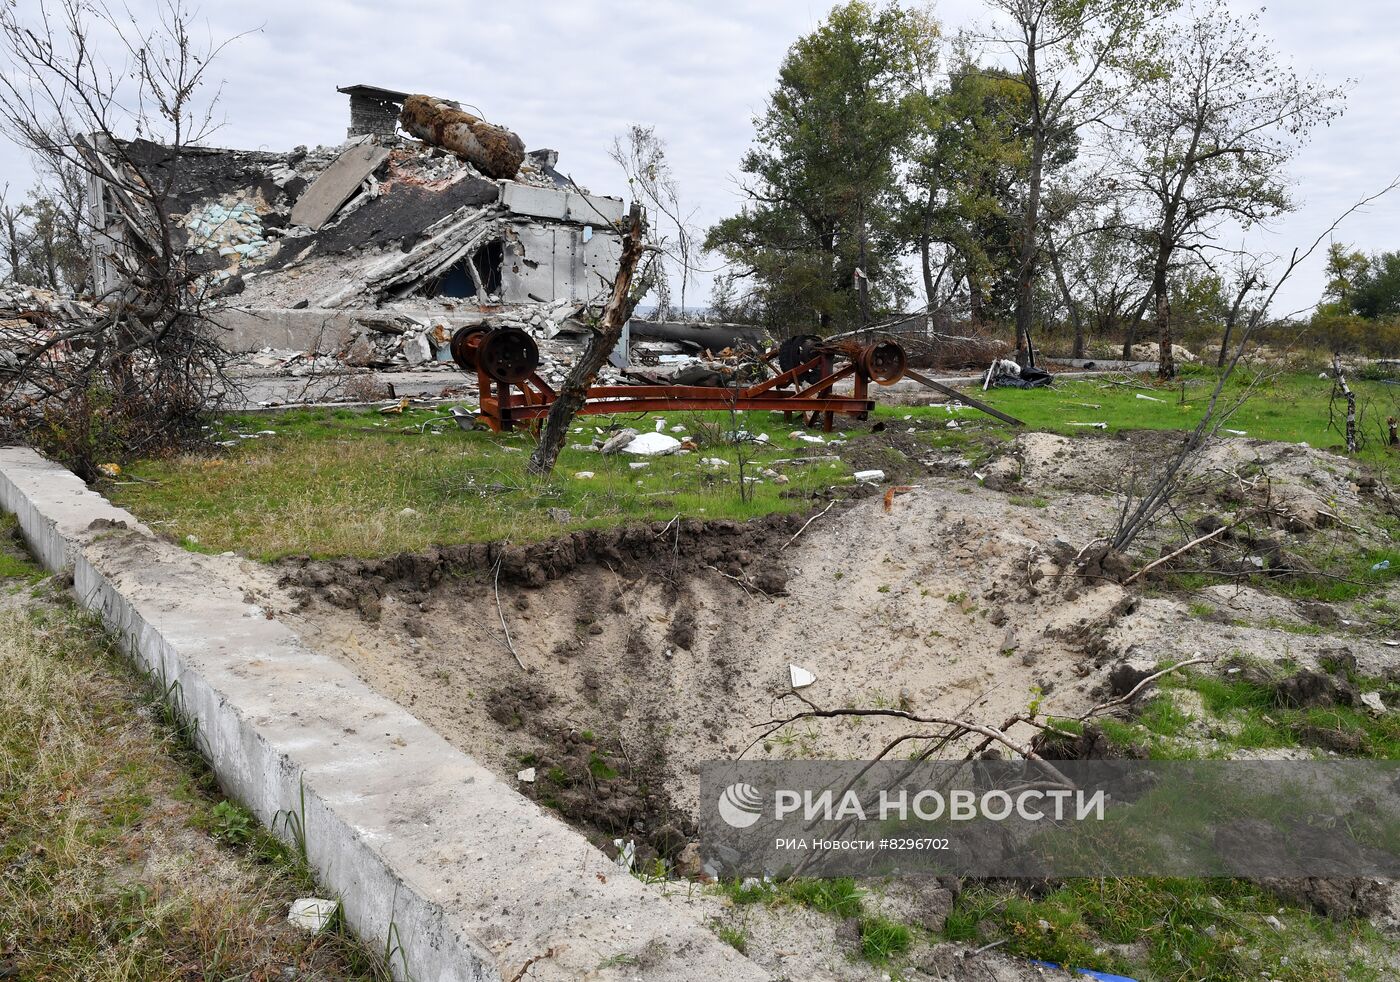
[(1089, 972)]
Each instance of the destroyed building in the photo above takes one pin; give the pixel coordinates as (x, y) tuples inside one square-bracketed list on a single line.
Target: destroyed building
[(425, 220)]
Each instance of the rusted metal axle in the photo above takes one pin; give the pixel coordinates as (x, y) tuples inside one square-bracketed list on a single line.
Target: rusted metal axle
[(511, 391)]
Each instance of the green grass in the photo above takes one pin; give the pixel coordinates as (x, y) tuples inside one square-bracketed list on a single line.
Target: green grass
[(1244, 715), (1188, 929), (337, 483), (881, 939), (119, 858), (1290, 408)]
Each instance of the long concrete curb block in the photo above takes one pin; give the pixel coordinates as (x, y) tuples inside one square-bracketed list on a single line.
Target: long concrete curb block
[(462, 877)]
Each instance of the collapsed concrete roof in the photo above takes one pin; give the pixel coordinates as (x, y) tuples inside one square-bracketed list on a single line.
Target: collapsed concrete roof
[(379, 219)]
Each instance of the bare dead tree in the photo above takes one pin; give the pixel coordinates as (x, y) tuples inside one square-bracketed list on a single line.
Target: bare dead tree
[(642, 156), (101, 98), (574, 391), (1339, 381)]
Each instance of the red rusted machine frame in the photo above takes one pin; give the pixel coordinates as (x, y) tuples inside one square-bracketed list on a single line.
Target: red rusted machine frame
[(504, 404)]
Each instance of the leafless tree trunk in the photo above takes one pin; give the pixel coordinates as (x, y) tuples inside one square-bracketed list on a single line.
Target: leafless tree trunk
[(1246, 285), (1340, 377), (574, 392)]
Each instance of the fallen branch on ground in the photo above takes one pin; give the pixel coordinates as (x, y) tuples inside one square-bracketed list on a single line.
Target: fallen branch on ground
[(1167, 558), (502, 614)]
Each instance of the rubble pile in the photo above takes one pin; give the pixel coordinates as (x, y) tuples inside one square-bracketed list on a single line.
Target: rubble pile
[(29, 317)]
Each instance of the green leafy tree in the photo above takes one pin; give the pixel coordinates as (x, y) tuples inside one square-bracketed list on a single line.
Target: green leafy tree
[(1077, 60), (1376, 291), (965, 172), (1345, 267), (821, 216), (1214, 127)]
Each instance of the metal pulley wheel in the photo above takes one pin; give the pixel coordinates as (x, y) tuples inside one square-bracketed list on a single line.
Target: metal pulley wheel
[(508, 354), (884, 361), (798, 350), (464, 346)]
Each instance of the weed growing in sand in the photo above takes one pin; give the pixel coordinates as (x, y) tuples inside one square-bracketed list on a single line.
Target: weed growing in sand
[(736, 937), (881, 938)]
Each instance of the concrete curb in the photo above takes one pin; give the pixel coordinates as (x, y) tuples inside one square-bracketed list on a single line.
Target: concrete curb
[(465, 878)]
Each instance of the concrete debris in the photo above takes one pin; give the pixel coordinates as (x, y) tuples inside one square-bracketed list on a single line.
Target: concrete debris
[(652, 445), (800, 677), (464, 220), (871, 476), (584, 475), (619, 441), (312, 914), (1372, 701), (31, 319), (527, 776)]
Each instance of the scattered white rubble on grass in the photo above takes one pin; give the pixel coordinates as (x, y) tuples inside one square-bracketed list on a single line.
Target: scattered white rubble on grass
[(800, 677), (1237, 432), (1372, 701), (1150, 398), (870, 476), (714, 461), (637, 465), (408, 512), (626, 853), (312, 913), (527, 776), (805, 437), (1097, 426), (952, 425), (583, 475), (651, 444), (678, 428)]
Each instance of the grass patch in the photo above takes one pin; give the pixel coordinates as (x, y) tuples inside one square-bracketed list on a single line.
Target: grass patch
[(118, 857), (1289, 407), (1187, 929), (881, 939), (354, 483), (736, 937)]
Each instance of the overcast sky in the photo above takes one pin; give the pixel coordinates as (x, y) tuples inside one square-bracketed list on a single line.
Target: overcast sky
[(572, 74)]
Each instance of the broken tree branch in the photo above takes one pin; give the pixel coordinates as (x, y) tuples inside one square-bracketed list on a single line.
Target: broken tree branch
[(1186, 548), (806, 523), (1350, 397), (1132, 694)]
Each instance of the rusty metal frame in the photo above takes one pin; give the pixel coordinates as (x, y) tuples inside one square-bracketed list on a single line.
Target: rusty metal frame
[(505, 404)]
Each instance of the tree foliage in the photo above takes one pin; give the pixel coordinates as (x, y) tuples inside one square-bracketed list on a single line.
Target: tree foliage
[(821, 181)]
